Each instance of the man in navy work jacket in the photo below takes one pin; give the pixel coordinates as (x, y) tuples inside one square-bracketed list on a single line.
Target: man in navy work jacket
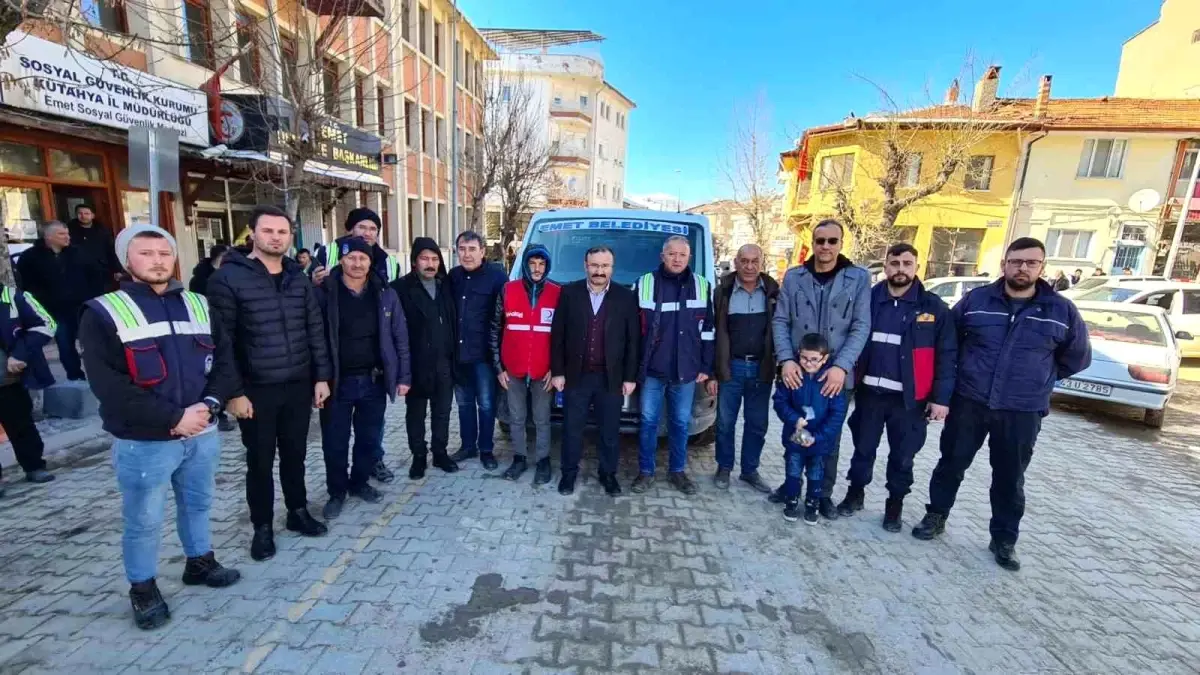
[(25, 328), (360, 222), (677, 354), (1016, 337), (906, 379), (161, 368), (368, 348), (831, 296), (475, 285)]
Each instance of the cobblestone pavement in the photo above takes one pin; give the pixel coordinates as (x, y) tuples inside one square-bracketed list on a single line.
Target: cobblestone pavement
[(472, 574)]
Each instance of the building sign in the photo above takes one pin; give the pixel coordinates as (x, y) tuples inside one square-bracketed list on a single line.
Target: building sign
[(49, 78), (636, 225), (262, 123)]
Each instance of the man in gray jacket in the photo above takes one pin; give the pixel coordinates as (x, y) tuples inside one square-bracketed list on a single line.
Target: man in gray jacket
[(828, 295)]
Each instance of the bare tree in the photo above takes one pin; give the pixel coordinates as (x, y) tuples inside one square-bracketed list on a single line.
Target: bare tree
[(749, 168), (912, 154), (507, 98), (521, 155)]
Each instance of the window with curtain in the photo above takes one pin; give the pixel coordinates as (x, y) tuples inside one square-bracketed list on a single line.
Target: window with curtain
[(979, 173), (1068, 243), (197, 23), (837, 171), (329, 87), (106, 14), (1102, 158), (249, 66)]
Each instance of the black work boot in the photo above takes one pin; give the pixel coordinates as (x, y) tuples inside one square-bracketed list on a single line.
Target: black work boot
[(826, 509), (149, 609), (892, 512), (611, 486), (931, 526), (541, 475), (755, 481), (853, 501), (382, 473), (488, 460), (462, 455), (514, 470), (333, 507), (417, 470), (302, 521), (1006, 555), (566, 484), (206, 570), (721, 479), (262, 547), (445, 462)]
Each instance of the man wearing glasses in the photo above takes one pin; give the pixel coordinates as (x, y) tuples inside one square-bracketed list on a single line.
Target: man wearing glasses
[(1016, 337), (832, 296)]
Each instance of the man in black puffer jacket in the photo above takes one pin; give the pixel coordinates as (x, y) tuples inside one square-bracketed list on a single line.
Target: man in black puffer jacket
[(269, 308)]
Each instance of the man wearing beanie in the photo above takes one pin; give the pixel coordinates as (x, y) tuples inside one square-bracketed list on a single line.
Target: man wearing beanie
[(368, 347), (270, 308), (162, 370), (429, 313), (363, 223)]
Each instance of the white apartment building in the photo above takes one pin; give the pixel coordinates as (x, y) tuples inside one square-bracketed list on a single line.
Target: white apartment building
[(585, 121)]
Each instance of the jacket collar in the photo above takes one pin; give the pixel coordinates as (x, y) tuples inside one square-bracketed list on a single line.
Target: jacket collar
[(1043, 294), (912, 295), (765, 281), (174, 287)]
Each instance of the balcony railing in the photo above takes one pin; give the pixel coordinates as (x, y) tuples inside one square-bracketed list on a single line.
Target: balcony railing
[(570, 153), (567, 111)]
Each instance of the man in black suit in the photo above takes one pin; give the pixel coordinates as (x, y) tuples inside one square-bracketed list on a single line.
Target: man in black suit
[(594, 350)]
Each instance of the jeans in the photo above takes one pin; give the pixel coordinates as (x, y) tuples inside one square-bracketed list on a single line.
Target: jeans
[(359, 404), (144, 469), (16, 416), (745, 387), (281, 416), (439, 401), (678, 397), (475, 391), (523, 394), (591, 391), (831, 460), (1011, 436), (875, 411), (65, 337), (798, 465)]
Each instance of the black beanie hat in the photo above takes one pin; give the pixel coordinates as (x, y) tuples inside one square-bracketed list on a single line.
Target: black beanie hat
[(360, 214), (348, 245)]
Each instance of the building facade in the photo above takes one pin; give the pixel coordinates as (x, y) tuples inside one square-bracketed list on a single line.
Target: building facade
[(1163, 60), (232, 78)]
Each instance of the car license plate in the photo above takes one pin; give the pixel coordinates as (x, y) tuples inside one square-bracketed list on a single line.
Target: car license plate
[(1086, 387), (558, 399)]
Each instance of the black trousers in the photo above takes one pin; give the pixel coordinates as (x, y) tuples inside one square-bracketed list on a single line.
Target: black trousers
[(439, 402), (875, 411), (281, 416), (16, 416), (1011, 436), (591, 392)]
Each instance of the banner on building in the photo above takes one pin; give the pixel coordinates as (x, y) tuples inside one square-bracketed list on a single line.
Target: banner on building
[(46, 77)]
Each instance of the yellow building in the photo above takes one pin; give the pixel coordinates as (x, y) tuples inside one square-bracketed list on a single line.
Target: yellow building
[(958, 230), (1163, 61)]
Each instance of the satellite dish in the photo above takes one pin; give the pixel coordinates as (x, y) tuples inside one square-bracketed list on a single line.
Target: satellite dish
[(1144, 200)]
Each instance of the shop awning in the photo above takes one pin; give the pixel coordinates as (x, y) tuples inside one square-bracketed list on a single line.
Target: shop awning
[(332, 176), (343, 174)]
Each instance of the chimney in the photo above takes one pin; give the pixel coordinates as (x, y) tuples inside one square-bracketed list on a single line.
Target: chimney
[(952, 93), (1043, 97), (985, 89)]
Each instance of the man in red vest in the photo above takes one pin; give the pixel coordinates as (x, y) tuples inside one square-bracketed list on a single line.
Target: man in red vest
[(521, 350)]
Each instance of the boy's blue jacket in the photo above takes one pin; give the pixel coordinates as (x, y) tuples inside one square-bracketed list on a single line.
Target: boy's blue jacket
[(825, 415)]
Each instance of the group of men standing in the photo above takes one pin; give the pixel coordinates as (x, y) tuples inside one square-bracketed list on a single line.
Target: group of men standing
[(268, 345)]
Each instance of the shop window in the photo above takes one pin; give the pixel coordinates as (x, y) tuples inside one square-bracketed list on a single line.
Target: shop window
[(291, 75), (249, 67), (20, 213), (329, 86), (67, 165), (106, 14), (24, 160), (198, 25)]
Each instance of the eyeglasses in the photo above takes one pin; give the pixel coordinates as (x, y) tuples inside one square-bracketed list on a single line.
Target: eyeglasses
[(1027, 264), (821, 241), (812, 359)]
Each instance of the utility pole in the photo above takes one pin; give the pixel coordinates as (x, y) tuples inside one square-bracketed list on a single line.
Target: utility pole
[(1183, 214)]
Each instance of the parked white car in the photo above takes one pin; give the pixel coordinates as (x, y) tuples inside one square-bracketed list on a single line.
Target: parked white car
[(1135, 358), (1180, 300), (1092, 283), (951, 289)]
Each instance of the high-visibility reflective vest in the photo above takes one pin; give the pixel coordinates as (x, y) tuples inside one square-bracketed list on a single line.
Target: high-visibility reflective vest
[(699, 299), (167, 339), (525, 344), (389, 270), (8, 297)]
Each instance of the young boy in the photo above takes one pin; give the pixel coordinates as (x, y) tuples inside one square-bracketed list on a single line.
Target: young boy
[(810, 429)]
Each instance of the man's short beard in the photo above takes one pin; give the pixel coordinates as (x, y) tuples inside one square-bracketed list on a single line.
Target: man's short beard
[(894, 284), (1018, 285)]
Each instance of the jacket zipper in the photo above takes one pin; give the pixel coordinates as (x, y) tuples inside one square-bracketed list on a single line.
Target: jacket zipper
[(174, 348)]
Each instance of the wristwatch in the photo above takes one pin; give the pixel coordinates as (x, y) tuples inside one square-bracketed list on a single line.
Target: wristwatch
[(214, 408)]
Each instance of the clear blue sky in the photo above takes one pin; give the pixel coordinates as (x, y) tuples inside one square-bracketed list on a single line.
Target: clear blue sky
[(688, 63)]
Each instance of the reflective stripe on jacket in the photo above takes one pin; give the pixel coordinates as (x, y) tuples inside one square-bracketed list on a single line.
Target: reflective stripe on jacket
[(525, 344), (692, 348)]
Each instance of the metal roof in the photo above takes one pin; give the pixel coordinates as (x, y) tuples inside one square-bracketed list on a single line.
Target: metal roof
[(520, 39)]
